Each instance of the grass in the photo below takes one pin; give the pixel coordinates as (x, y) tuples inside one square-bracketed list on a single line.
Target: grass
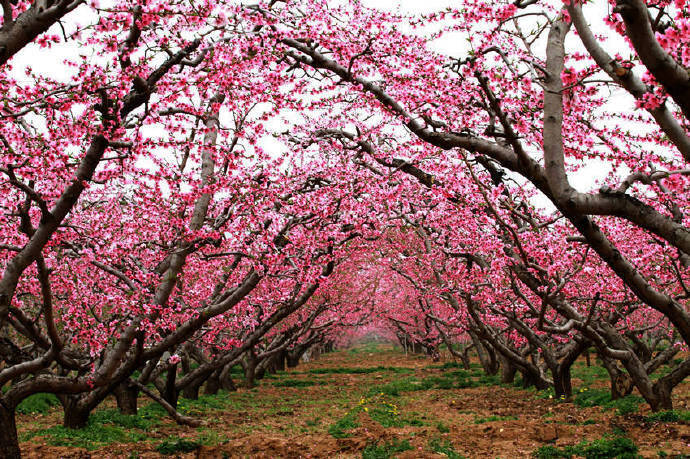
[(442, 427), (341, 426), (603, 448), (669, 416), (445, 448), (385, 450), (589, 375), (91, 437), (288, 382), (595, 397), (114, 417), (203, 404), (37, 403)]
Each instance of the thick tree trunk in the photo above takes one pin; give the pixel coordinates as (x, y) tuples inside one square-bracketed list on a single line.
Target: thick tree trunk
[(621, 382), (9, 443), (293, 360), (279, 361), (213, 383), (663, 400), (508, 370), (226, 382), (126, 397), (76, 415), (191, 391)]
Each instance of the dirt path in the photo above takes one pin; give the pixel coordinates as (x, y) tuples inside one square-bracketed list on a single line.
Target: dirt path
[(372, 401)]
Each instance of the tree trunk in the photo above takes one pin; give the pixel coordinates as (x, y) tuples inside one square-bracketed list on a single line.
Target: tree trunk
[(213, 383), (226, 382), (126, 397), (76, 415), (562, 382), (191, 391), (508, 370), (293, 360), (621, 382), (250, 369), (9, 443), (487, 358), (170, 393), (663, 400), (280, 361)]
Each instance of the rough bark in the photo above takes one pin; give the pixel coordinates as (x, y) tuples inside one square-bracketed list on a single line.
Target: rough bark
[(9, 443), (126, 397), (508, 370)]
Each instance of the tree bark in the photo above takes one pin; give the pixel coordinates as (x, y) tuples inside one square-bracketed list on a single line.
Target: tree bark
[(9, 443), (226, 382), (508, 370), (562, 382), (126, 397), (76, 415), (213, 383), (250, 369), (170, 393), (191, 391)]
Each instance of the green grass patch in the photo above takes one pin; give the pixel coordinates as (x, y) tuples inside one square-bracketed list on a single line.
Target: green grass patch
[(595, 397), (590, 374), (385, 450), (669, 416), (37, 403), (603, 448), (444, 447), (91, 437), (341, 426), (113, 416), (289, 382), (441, 427), (203, 404)]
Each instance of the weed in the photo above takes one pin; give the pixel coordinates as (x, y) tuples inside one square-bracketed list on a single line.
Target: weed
[(442, 427), (386, 450)]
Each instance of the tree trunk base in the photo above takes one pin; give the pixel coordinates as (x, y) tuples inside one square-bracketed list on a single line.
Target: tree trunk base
[(9, 443)]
